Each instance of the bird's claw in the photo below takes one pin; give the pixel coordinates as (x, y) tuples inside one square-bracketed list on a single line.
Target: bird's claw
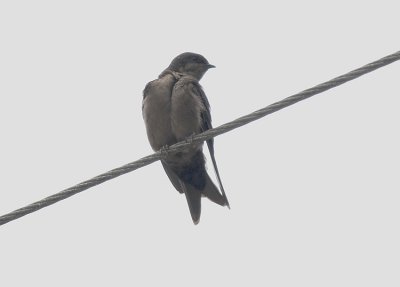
[(164, 150), (189, 139)]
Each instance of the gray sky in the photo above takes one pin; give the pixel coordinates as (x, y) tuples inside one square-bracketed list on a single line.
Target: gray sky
[(314, 188)]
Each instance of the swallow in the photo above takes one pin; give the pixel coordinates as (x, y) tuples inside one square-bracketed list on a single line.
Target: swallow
[(175, 108)]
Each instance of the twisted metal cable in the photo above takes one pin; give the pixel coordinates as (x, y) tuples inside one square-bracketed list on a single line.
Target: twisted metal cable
[(199, 138)]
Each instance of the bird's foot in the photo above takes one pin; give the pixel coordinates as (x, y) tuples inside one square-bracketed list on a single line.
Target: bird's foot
[(164, 150), (189, 139)]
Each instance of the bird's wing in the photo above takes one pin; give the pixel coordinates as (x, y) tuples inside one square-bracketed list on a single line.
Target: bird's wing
[(206, 125), (173, 177)]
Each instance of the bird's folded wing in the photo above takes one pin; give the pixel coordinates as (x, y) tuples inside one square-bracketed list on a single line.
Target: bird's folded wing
[(206, 125)]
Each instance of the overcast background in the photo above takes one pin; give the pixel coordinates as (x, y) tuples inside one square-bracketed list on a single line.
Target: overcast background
[(314, 188)]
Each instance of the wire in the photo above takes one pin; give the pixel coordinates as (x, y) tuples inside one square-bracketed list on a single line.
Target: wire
[(199, 138)]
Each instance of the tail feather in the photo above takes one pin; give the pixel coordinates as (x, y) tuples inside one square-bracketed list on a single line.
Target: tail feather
[(172, 177), (210, 144), (193, 197), (212, 193), (193, 180)]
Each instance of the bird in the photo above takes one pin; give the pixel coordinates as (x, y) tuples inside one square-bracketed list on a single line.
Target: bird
[(175, 108)]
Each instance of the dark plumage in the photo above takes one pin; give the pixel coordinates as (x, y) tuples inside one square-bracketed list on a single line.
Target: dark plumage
[(175, 107)]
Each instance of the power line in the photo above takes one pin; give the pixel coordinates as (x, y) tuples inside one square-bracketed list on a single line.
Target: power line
[(199, 138)]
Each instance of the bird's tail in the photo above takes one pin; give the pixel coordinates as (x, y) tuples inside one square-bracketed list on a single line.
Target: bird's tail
[(192, 180), (211, 192), (193, 197)]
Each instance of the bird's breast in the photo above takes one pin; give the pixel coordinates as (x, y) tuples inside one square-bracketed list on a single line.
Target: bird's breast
[(186, 108), (157, 112)]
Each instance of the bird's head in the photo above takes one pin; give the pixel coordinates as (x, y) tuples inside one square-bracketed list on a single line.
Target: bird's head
[(191, 64)]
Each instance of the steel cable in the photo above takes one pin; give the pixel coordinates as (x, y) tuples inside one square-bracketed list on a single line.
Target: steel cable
[(199, 138)]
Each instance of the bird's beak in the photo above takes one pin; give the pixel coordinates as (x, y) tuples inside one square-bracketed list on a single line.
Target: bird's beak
[(209, 66)]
